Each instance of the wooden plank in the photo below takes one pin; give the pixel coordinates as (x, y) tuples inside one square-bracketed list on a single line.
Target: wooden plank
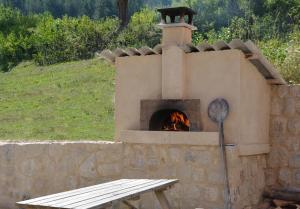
[(97, 193), (164, 203), (105, 196), (47, 198), (94, 203), (72, 192)]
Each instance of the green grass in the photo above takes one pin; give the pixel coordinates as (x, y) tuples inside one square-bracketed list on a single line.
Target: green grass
[(69, 101)]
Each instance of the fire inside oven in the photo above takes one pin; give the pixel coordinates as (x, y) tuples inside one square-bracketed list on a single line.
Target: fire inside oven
[(169, 120)]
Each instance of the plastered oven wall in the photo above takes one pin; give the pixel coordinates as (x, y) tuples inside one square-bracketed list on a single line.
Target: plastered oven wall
[(209, 75), (137, 78)]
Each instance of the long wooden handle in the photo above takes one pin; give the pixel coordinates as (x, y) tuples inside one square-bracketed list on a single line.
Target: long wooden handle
[(224, 165)]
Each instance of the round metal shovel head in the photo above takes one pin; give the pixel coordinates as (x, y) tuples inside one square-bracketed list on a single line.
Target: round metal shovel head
[(218, 110)]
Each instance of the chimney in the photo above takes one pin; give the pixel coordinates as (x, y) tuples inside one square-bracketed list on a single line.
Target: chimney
[(176, 30), (176, 33)]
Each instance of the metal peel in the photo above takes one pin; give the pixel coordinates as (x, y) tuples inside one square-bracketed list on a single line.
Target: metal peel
[(218, 111)]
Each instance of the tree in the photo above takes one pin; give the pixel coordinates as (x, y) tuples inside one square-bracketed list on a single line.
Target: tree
[(123, 11)]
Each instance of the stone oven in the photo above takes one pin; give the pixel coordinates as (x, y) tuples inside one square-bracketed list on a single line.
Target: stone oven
[(177, 75), (162, 97)]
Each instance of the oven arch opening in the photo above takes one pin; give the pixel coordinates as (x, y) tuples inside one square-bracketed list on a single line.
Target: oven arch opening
[(169, 120)]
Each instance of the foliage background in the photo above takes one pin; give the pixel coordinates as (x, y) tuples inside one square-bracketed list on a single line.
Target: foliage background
[(54, 31)]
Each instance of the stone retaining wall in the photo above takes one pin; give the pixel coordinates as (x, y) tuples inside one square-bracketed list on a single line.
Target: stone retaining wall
[(197, 167), (284, 159), (29, 170)]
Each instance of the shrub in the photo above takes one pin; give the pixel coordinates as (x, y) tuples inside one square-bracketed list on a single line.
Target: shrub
[(141, 30), (66, 39), (15, 37), (290, 68), (285, 55)]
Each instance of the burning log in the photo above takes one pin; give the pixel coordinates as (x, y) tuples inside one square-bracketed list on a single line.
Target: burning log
[(176, 122)]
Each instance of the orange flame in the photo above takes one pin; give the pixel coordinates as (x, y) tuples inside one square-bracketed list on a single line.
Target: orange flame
[(178, 122)]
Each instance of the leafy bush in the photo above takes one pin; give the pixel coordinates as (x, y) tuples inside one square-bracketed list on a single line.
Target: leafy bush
[(285, 55), (141, 30), (290, 68), (59, 40), (15, 41)]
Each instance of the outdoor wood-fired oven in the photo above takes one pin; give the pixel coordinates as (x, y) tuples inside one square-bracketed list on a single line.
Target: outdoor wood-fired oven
[(162, 100), (169, 87)]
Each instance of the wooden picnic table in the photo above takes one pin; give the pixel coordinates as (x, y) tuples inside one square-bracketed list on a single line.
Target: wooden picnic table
[(109, 194)]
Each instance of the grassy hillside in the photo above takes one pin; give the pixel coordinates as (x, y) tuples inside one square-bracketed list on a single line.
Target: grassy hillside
[(69, 101)]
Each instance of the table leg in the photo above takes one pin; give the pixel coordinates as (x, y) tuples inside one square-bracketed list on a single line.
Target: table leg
[(131, 206), (164, 203), (116, 205)]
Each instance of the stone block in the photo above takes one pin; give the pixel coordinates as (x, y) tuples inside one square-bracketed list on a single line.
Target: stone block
[(278, 157), (30, 167), (78, 151), (71, 182), (138, 162), (198, 175), (278, 126), (297, 177), (234, 177), (198, 157), (295, 90), (285, 176), (109, 156), (135, 173), (294, 125), (292, 143), (297, 105), (57, 151), (295, 161), (7, 154), (263, 161), (68, 163), (283, 91), (215, 175), (289, 106), (260, 179), (212, 194), (232, 156), (278, 140), (193, 191), (30, 150), (88, 168), (109, 170), (164, 155), (127, 150), (153, 164), (276, 106), (166, 171), (152, 152), (175, 154), (184, 172)]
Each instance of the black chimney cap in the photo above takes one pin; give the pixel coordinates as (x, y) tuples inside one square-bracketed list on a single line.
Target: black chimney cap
[(172, 12)]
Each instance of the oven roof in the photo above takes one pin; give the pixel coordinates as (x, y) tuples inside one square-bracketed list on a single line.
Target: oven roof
[(251, 51)]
